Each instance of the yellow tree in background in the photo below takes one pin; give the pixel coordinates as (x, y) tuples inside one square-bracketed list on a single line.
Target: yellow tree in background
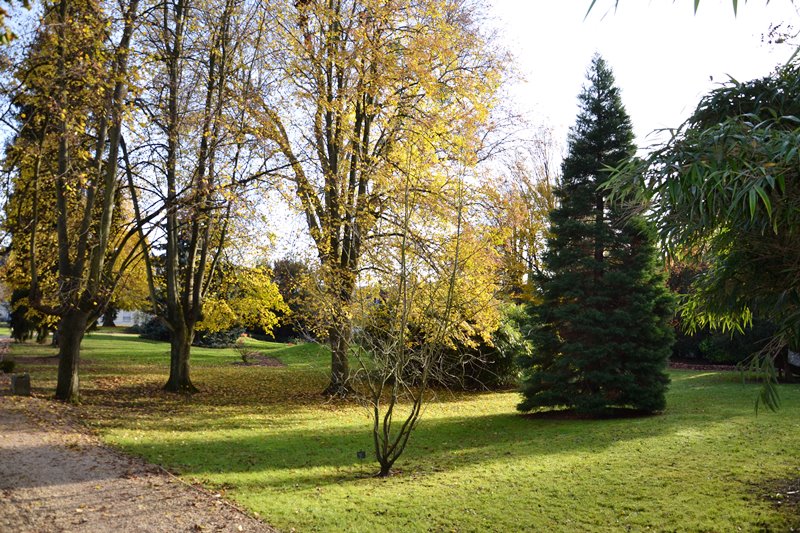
[(518, 203), (243, 297)]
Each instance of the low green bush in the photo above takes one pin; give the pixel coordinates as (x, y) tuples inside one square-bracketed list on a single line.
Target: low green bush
[(154, 329), (218, 339), (733, 348), (7, 365)]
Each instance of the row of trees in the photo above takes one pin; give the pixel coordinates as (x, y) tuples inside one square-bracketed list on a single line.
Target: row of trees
[(146, 132)]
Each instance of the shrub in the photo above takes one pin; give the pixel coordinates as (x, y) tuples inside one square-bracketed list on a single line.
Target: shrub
[(468, 364), (7, 365), (245, 352), (21, 324), (491, 365), (731, 349), (154, 330), (218, 339)]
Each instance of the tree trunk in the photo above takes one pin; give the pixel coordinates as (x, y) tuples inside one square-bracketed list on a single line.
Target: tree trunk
[(180, 348), (339, 336), (70, 335), (109, 316), (386, 469)]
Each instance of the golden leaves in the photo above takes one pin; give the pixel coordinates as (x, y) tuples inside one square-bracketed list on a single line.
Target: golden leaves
[(245, 297)]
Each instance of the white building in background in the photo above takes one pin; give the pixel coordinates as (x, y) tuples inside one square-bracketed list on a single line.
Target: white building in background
[(127, 318)]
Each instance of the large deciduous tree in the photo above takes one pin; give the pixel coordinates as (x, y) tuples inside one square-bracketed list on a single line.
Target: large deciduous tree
[(357, 83), (191, 151), (71, 100), (602, 334)]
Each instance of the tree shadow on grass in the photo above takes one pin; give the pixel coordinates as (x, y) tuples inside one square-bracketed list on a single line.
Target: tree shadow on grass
[(267, 386), (264, 429), (291, 458)]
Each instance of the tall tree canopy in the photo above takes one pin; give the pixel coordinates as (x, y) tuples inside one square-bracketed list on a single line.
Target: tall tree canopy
[(360, 88), (601, 331), (70, 100)]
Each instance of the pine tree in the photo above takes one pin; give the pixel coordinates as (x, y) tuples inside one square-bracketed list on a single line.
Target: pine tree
[(601, 332)]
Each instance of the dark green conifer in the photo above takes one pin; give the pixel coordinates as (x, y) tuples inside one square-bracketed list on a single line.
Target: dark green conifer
[(602, 331)]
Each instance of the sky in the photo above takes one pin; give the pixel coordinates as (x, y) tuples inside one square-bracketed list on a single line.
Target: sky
[(664, 56)]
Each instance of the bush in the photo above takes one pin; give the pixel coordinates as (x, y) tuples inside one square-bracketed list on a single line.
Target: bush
[(219, 339), (492, 365), (731, 349), (154, 329), (476, 364), (705, 345), (7, 366), (22, 326)]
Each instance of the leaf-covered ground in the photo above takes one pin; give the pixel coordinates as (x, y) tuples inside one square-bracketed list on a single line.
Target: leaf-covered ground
[(57, 477), (264, 437)]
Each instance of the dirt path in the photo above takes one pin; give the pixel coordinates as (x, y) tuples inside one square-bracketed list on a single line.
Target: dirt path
[(57, 477)]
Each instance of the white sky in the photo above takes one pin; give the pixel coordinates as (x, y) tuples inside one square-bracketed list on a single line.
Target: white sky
[(662, 54)]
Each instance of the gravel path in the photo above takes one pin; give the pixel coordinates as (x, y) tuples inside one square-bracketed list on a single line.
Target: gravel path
[(55, 476)]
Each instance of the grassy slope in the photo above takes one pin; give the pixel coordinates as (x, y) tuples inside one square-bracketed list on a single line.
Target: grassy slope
[(264, 437)]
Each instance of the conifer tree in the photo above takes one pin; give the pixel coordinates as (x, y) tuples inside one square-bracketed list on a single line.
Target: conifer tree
[(602, 331)]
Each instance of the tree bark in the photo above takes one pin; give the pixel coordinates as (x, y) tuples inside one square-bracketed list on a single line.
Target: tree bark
[(386, 469), (109, 316), (70, 335), (180, 348), (339, 336), (340, 333)]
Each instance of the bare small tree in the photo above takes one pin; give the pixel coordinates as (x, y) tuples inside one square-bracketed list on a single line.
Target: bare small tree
[(409, 322)]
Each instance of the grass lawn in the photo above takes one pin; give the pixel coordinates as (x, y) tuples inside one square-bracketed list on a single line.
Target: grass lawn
[(264, 437)]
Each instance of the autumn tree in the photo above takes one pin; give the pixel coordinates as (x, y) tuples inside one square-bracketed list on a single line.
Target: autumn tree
[(601, 333), (71, 101), (131, 291), (191, 151), (353, 84), (243, 297), (518, 202)]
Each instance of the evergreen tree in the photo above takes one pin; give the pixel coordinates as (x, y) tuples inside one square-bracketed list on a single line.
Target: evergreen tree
[(601, 332)]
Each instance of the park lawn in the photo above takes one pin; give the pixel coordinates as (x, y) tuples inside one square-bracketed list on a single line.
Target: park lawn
[(265, 438)]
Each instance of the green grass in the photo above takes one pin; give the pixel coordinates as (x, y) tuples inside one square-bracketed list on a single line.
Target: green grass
[(264, 437)]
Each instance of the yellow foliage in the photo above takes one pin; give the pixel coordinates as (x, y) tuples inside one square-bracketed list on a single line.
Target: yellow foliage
[(245, 297)]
